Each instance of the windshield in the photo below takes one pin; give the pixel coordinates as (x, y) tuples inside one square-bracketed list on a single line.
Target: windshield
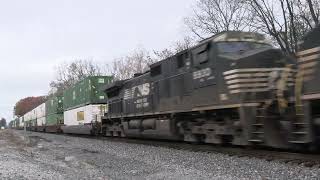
[(239, 47)]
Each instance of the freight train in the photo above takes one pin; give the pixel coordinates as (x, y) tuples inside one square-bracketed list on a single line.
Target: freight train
[(232, 88)]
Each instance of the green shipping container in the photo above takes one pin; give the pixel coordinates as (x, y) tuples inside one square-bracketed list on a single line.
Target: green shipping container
[(86, 92), (54, 110), (54, 119)]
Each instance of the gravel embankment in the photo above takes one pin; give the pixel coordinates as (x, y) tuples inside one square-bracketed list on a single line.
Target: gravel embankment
[(47, 156)]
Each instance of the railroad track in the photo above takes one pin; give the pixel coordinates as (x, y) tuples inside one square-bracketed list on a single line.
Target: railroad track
[(293, 158)]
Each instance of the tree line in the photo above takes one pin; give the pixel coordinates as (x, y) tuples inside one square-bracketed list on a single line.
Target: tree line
[(284, 22)]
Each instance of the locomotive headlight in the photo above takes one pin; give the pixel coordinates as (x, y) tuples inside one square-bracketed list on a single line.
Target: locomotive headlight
[(274, 75)]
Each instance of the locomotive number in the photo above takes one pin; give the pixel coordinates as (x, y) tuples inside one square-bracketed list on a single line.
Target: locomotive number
[(202, 73), (141, 103)]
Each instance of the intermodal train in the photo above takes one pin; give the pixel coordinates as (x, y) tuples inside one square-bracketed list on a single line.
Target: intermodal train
[(232, 88)]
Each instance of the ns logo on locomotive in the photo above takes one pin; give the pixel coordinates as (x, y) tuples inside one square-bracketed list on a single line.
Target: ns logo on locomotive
[(232, 88)]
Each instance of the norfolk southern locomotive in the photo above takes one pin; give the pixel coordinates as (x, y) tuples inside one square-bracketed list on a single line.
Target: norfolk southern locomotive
[(230, 88), (306, 127)]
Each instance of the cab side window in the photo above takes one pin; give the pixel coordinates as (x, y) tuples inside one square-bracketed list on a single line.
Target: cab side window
[(180, 61), (201, 54), (155, 71)]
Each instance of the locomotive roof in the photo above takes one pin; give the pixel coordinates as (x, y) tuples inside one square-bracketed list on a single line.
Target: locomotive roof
[(312, 39), (114, 85), (232, 36)]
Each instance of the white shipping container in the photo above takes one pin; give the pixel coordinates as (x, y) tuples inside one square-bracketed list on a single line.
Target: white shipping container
[(21, 124), (40, 111), (41, 121), (32, 114), (27, 116), (84, 115)]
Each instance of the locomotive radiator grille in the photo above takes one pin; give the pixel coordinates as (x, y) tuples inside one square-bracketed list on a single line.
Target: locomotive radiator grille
[(256, 79), (307, 62)]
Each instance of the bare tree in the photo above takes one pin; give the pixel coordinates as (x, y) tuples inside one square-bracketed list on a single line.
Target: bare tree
[(67, 74), (213, 16), (178, 46), (140, 59), (181, 45), (162, 54), (286, 21), (136, 62), (314, 7)]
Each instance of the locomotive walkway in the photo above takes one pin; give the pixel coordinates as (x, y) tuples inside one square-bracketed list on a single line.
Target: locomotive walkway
[(30, 155)]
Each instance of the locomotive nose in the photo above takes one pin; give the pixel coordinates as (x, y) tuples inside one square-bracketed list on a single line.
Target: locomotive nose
[(266, 58), (258, 71)]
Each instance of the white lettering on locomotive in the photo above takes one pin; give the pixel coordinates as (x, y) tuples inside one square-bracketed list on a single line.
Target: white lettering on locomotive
[(142, 103), (137, 91), (202, 73)]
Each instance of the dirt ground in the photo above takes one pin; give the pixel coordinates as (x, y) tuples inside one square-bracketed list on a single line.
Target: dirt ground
[(31, 155)]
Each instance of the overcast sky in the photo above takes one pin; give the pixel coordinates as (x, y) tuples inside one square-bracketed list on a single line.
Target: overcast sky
[(36, 35)]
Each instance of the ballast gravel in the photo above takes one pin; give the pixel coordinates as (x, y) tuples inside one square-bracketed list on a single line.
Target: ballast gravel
[(30, 155)]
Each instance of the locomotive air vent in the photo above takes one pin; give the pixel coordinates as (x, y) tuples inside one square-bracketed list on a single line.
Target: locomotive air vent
[(137, 74)]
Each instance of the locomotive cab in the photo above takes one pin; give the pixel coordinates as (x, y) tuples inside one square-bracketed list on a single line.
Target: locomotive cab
[(252, 81), (250, 67)]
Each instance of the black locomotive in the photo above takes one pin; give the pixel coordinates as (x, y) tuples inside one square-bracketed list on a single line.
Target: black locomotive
[(306, 128), (231, 88)]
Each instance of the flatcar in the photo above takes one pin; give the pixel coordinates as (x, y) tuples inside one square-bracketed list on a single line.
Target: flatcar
[(54, 114), (226, 89)]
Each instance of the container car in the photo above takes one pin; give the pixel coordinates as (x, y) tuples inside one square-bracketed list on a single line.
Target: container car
[(83, 105), (54, 113), (40, 117), (84, 120)]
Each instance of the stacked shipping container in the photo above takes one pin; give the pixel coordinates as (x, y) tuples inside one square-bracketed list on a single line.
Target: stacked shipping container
[(36, 118), (86, 92), (84, 104), (80, 107), (40, 116), (28, 119), (21, 123), (54, 113)]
